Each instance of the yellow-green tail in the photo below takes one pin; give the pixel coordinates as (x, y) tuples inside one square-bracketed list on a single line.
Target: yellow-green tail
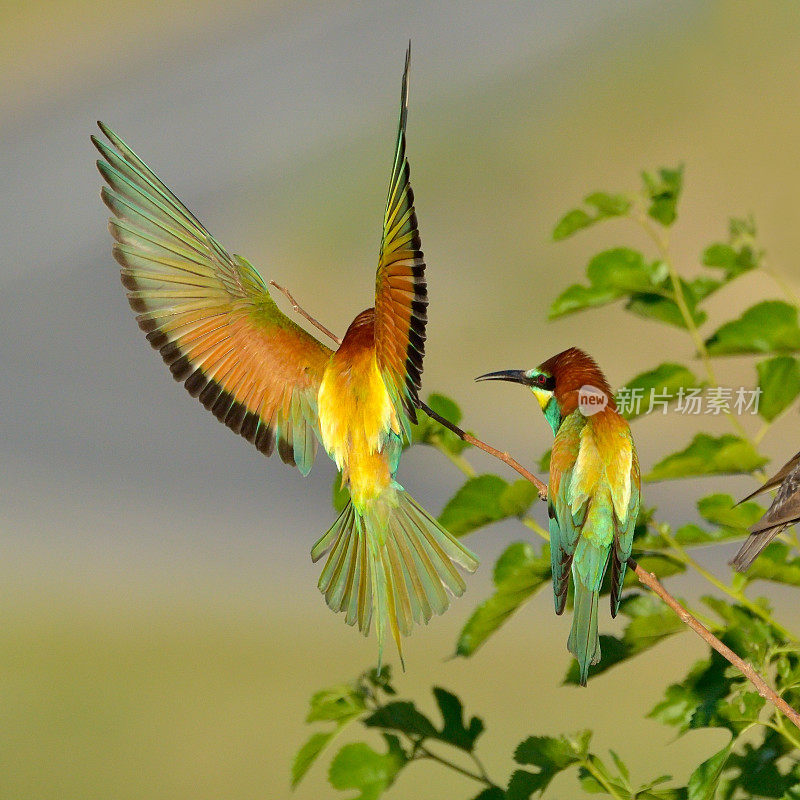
[(392, 561), (583, 642)]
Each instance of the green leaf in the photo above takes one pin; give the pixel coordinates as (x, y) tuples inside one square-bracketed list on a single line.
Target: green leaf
[(687, 703), (758, 773), (544, 462), (401, 715), (492, 793), (445, 407), (358, 766), (774, 564), (519, 573), (663, 190), (734, 262), (308, 754), (738, 255), (661, 794), (578, 297), (475, 504), (429, 431), (659, 385), (612, 274), (779, 381), (517, 498), (404, 716), (604, 205), (746, 633), (626, 271), (662, 565), (336, 704), (551, 755), (570, 223), (767, 327), (692, 535), (703, 286), (709, 455), (662, 309), (722, 509), (592, 785), (609, 205), (453, 730), (620, 765), (703, 781)]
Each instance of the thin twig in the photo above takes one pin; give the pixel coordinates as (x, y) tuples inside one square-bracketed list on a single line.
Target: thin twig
[(504, 457), (452, 765), (652, 583), (648, 579), (298, 310)]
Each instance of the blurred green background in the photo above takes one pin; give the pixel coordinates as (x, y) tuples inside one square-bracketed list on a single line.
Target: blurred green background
[(160, 629)]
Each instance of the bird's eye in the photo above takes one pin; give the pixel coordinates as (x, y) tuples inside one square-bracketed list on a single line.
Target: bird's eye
[(541, 380)]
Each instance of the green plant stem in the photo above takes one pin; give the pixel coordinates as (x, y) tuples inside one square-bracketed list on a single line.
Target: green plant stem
[(457, 459), (662, 244), (445, 762), (589, 766), (418, 748), (479, 764), (530, 522), (784, 286), (682, 555), (780, 729), (761, 433)]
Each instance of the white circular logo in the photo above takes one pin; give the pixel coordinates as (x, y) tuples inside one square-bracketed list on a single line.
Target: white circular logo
[(591, 400)]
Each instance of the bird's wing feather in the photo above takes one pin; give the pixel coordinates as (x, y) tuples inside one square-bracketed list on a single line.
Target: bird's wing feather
[(210, 314), (565, 521), (625, 525), (785, 508), (775, 480), (401, 297)]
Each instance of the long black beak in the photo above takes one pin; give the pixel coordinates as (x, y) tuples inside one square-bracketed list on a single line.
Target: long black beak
[(512, 375)]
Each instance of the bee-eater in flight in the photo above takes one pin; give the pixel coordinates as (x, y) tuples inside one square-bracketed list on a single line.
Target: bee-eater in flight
[(593, 492), (784, 511), (210, 315)]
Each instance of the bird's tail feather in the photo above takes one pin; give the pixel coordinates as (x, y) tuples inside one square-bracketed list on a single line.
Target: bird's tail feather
[(583, 641), (753, 545), (392, 562)]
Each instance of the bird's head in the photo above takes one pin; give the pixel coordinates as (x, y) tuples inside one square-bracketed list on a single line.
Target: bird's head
[(557, 383)]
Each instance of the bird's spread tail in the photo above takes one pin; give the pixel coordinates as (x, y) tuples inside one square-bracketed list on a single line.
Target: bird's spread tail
[(392, 562), (583, 641)]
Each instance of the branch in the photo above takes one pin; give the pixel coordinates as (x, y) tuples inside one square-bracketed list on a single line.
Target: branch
[(504, 457), (298, 310), (655, 586), (648, 579)]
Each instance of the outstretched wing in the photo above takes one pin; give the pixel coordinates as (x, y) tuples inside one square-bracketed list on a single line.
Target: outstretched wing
[(401, 297), (210, 314)]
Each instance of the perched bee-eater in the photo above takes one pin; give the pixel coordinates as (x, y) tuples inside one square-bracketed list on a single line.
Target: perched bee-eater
[(593, 493), (210, 315), (784, 511)]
